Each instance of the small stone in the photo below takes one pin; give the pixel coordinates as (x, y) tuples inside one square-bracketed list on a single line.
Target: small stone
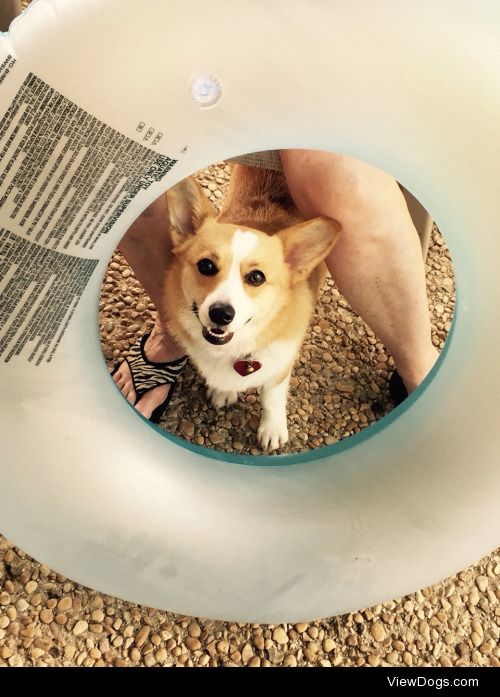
[(482, 583), (161, 655), (31, 587), (222, 647), (476, 639), (290, 661), (142, 635), (135, 654), (69, 652), (258, 642), (216, 438), (246, 653), (279, 636), (22, 605), (194, 629), (187, 429), (392, 658), (149, 660), (236, 656), (4, 598), (374, 661), (311, 650), (80, 627), (301, 627), (46, 616), (486, 647), (407, 658), (96, 602), (192, 643), (378, 631), (254, 662), (328, 645), (97, 616), (474, 597), (15, 661), (477, 627), (344, 387), (65, 604), (424, 630)]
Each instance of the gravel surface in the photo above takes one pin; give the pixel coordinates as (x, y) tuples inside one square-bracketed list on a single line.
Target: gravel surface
[(47, 620), (341, 379)]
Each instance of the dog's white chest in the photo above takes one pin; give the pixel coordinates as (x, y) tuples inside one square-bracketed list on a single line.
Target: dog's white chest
[(220, 373)]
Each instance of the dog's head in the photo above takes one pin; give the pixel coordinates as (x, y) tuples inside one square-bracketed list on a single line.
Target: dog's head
[(234, 277)]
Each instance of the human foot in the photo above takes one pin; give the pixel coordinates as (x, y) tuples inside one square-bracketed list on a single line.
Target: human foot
[(147, 377), (403, 382)]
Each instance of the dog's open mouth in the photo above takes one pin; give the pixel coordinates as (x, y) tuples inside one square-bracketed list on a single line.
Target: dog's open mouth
[(217, 336)]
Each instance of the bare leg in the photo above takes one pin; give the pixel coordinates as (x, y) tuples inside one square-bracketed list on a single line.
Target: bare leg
[(146, 247), (377, 262)]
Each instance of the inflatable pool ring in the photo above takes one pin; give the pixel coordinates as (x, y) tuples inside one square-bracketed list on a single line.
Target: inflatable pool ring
[(104, 104)]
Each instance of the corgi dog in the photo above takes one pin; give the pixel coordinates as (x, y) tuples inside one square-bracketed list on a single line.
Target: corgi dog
[(242, 285)]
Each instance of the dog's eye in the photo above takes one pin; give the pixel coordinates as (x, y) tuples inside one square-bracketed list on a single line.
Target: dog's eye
[(207, 267), (255, 278)]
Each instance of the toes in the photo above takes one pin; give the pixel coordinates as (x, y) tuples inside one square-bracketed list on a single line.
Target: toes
[(272, 436), (220, 399), (129, 394), (123, 381)]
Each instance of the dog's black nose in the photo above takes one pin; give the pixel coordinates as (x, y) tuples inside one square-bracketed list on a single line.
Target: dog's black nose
[(221, 313)]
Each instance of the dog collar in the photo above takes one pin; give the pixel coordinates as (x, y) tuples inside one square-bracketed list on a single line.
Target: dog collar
[(246, 366)]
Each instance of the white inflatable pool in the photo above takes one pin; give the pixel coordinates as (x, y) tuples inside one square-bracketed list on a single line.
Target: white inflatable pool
[(106, 103)]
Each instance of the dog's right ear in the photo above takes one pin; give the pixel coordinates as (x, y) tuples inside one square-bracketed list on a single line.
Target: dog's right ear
[(187, 207)]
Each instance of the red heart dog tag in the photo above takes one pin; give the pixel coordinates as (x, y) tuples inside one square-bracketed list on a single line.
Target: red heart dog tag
[(247, 367)]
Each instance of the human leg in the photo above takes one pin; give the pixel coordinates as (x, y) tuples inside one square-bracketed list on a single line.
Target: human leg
[(377, 262), (146, 247)]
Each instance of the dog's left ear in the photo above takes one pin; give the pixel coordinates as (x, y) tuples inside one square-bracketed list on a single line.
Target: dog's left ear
[(187, 207), (307, 244)]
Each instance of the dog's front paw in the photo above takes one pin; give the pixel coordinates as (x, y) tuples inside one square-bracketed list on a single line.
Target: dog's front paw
[(221, 399), (272, 433)]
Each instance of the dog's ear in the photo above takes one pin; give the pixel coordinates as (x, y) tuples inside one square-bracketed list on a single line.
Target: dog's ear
[(307, 244), (187, 207)]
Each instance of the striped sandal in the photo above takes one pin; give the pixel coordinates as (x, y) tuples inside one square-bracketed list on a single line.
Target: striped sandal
[(146, 375)]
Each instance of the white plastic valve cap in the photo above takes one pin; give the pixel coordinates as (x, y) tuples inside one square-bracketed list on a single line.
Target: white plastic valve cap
[(206, 90)]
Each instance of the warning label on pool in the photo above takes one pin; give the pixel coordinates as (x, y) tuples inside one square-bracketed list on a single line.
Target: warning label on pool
[(65, 176), (65, 179), (39, 291)]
